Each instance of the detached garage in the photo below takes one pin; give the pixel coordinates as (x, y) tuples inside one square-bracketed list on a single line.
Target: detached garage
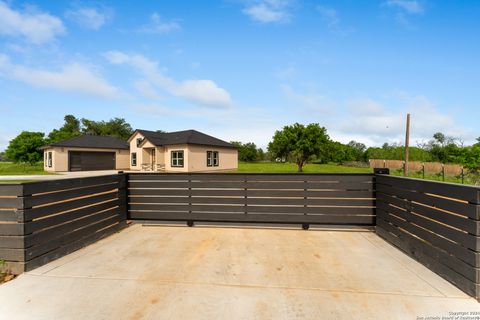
[(87, 153)]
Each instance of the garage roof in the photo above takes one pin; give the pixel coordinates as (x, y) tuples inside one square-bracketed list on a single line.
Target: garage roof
[(90, 141), (183, 137)]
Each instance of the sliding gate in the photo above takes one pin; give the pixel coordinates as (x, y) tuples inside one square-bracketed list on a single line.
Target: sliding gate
[(347, 199)]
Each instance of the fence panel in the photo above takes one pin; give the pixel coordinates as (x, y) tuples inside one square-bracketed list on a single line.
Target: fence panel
[(12, 227), (253, 198), (42, 221), (436, 223)]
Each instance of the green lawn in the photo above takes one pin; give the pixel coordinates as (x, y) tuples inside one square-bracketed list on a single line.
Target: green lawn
[(467, 179), (9, 169), (274, 167)]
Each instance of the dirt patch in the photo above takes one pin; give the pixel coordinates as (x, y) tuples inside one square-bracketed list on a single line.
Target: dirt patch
[(6, 277)]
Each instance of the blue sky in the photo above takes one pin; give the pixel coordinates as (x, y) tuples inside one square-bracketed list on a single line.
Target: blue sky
[(240, 69)]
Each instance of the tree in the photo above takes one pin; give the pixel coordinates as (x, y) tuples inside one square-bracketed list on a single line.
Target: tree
[(356, 151), (444, 148), (3, 157), (397, 152), (71, 128), (25, 147), (261, 156), (247, 152), (300, 143), (116, 127)]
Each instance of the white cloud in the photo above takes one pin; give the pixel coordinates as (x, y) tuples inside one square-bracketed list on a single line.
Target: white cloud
[(4, 141), (286, 73), (372, 121), (409, 6), (203, 92), (221, 123), (159, 26), (375, 122), (329, 15), (36, 27), (267, 11), (311, 101), (90, 18), (73, 77), (146, 89), (404, 9)]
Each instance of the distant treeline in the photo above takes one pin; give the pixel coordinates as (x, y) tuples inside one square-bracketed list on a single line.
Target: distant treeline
[(441, 148), (25, 148)]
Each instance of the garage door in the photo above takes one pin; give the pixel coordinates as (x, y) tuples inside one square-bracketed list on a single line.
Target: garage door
[(85, 161)]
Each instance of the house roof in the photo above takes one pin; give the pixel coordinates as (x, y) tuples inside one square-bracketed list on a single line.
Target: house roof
[(183, 137), (90, 141)]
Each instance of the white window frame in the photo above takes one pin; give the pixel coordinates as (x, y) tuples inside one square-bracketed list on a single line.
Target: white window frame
[(213, 159), (50, 159), (175, 158), (209, 159), (133, 159)]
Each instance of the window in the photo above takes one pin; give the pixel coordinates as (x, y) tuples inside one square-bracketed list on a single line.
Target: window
[(139, 141), (177, 158), (134, 159), (49, 159), (212, 159), (45, 160)]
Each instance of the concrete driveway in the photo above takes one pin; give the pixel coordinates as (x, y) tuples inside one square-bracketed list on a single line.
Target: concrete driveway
[(168, 272)]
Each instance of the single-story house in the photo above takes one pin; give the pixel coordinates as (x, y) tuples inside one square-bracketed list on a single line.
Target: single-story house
[(87, 152), (181, 151)]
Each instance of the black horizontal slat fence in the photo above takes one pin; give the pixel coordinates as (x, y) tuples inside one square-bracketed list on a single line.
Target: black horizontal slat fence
[(253, 198), (436, 223), (42, 221)]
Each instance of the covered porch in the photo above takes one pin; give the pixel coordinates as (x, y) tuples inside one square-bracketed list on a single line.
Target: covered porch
[(153, 158)]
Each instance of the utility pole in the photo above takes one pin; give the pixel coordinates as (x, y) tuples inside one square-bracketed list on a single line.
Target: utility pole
[(407, 142)]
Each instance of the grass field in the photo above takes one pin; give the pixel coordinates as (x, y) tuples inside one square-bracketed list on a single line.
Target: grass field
[(467, 179), (9, 169), (274, 167)]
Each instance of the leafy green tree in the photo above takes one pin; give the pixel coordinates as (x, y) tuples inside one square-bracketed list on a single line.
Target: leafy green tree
[(25, 147), (3, 157), (261, 155), (71, 128), (397, 152), (471, 161), (247, 152), (300, 143), (356, 151), (116, 127)]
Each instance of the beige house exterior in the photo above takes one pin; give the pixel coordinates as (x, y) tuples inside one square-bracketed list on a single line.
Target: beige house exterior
[(182, 151), (60, 158), (85, 153)]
